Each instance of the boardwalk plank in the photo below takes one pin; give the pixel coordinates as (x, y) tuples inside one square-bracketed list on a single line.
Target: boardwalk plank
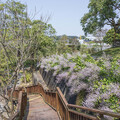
[(37, 109)]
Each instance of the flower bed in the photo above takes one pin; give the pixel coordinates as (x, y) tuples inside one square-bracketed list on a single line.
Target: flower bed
[(100, 79)]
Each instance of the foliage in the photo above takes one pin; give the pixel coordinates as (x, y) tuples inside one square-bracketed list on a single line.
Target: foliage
[(27, 76), (22, 42), (87, 50), (64, 37), (113, 52), (62, 48), (42, 44), (101, 12), (32, 37), (110, 35), (99, 79)]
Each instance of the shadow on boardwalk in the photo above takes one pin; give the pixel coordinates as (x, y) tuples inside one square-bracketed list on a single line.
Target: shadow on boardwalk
[(37, 109)]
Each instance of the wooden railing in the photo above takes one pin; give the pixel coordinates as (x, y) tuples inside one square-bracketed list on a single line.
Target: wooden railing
[(22, 103), (67, 111)]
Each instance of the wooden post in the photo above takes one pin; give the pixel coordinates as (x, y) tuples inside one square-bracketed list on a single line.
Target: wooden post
[(67, 114), (57, 102)]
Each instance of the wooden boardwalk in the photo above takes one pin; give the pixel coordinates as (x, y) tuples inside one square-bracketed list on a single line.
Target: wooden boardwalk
[(37, 109)]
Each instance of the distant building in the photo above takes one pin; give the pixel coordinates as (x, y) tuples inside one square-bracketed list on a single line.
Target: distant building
[(92, 43), (84, 41), (91, 38), (71, 42), (81, 41)]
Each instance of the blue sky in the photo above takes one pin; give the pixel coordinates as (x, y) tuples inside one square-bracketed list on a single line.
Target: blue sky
[(65, 14)]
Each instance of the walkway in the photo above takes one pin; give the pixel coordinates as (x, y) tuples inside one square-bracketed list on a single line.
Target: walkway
[(37, 109), (39, 79)]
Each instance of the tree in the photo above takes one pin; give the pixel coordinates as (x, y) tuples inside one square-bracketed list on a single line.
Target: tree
[(64, 37), (109, 38), (43, 42), (101, 13), (99, 34), (20, 39), (13, 22)]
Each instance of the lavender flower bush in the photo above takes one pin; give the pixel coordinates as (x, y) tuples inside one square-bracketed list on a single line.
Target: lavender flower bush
[(99, 78)]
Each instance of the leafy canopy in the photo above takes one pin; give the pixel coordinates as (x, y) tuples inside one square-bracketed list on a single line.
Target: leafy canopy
[(101, 12), (110, 35)]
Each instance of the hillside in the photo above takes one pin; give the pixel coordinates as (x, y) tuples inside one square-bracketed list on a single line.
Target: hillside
[(114, 52)]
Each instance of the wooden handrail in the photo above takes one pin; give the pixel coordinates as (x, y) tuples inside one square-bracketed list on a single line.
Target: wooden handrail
[(102, 112), (67, 111), (57, 101), (83, 114), (62, 97), (22, 103)]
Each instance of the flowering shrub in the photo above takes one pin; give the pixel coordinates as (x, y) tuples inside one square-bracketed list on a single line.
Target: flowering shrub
[(99, 78)]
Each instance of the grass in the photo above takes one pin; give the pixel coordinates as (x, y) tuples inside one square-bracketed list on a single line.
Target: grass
[(113, 52)]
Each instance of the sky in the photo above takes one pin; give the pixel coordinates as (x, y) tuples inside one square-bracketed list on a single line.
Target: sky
[(64, 15)]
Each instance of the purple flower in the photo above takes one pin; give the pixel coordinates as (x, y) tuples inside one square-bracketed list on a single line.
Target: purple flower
[(57, 67), (90, 70), (69, 56), (105, 95), (84, 56), (90, 100), (55, 73), (106, 108), (42, 66), (71, 65), (70, 80), (114, 88), (77, 87), (61, 76), (93, 77), (107, 65)]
